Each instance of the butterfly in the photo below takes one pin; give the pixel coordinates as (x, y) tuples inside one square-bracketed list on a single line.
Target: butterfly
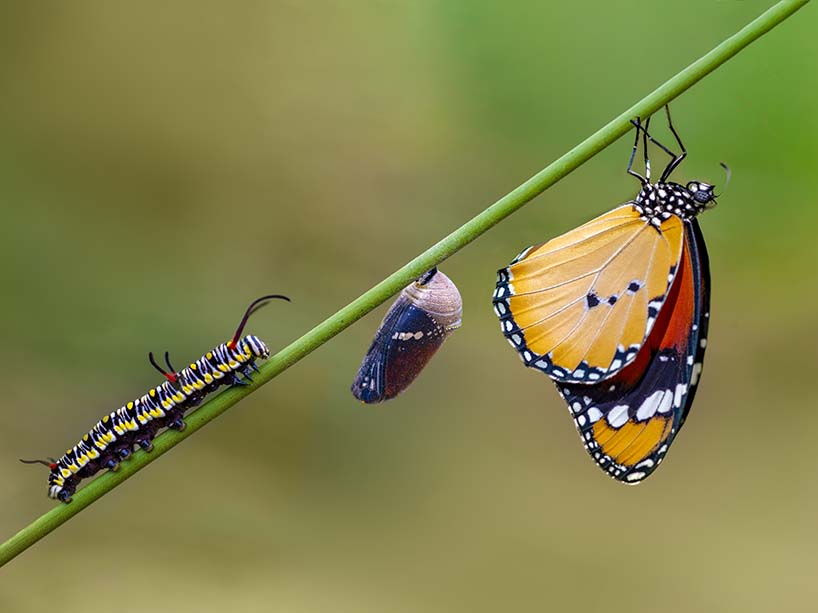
[(616, 312)]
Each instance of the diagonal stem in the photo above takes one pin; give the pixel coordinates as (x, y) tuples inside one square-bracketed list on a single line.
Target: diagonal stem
[(435, 254)]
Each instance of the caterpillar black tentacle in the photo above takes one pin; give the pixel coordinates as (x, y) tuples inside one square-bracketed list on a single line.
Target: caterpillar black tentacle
[(135, 424)]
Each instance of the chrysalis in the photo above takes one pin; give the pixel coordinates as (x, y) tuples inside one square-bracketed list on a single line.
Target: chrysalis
[(414, 328)]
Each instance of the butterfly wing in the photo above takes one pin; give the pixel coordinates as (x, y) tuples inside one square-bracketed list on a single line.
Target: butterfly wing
[(628, 422), (698, 345), (580, 306)]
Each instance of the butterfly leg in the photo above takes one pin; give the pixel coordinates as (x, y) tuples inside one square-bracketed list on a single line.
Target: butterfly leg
[(677, 159), (636, 122)]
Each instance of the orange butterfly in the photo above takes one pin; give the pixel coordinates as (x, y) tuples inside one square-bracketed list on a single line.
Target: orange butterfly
[(616, 313)]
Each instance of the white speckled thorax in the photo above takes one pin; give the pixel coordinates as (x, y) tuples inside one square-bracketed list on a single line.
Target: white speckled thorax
[(440, 298), (657, 202)]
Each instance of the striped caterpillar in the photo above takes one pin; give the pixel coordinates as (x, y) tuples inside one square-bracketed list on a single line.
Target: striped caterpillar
[(136, 423)]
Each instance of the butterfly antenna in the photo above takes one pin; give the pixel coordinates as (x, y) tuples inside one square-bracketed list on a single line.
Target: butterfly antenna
[(729, 174), (170, 376), (254, 306)]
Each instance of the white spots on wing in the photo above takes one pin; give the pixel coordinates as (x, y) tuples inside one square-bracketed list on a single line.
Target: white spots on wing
[(633, 477), (593, 376), (407, 336), (508, 326), (703, 343), (618, 416), (690, 360), (645, 464), (681, 389), (576, 407), (667, 403), (581, 420), (542, 364), (697, 370), (649, 406), (516, 338), (594, 414), (616, 364)]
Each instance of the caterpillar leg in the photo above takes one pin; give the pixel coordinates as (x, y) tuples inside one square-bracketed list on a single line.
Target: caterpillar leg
[(145, 438), (237, 380), (65, 496), (177, 424), (111, 464), (145, 444), (195, 399), (124, 453)]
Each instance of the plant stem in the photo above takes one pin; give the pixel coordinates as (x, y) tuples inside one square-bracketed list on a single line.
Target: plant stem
[(396, 281)]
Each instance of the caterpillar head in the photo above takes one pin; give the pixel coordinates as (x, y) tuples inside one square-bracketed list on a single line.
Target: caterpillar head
[(255, 346)]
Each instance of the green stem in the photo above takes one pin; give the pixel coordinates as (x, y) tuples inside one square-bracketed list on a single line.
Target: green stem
[(396, 281)]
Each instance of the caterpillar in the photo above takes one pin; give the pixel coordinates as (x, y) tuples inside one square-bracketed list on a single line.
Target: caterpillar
[(136, 423), (415, 326)]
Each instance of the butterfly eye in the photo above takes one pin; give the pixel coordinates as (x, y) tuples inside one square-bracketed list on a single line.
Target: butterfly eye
[(702, 192)]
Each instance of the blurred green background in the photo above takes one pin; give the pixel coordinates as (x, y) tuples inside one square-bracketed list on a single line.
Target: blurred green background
[(163, 164)]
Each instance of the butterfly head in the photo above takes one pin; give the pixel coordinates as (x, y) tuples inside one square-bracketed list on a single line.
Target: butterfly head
[(702, 194)]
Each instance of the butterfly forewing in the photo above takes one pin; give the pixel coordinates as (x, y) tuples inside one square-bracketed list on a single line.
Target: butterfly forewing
[(580, 306)]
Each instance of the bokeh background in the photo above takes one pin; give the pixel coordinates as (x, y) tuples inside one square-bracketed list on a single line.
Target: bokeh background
[(162, 164)]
